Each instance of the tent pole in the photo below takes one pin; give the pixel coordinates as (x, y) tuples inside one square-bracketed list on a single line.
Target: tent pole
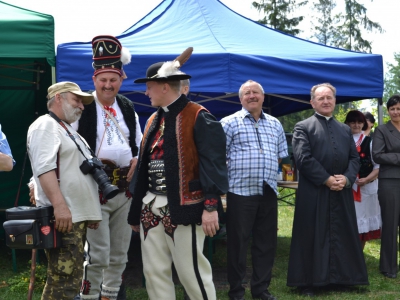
[(380, 113)]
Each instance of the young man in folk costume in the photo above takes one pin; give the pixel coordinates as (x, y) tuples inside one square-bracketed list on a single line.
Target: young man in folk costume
[(177, 186)]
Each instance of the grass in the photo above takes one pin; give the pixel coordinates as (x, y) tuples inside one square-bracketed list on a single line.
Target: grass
[(379, 288)]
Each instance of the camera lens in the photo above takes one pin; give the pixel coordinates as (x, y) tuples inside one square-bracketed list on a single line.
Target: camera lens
[(101, 178)]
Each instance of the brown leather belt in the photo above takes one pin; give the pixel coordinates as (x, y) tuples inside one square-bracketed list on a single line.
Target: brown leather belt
[(118, 177)]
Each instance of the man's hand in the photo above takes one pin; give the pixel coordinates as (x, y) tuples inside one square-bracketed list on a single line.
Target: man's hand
[(132, 169), (94, 225), (6, 162), (336, 182), (210, 224), (32, 194), (51, 188), (330, 182), (340, 181), (135, 228), (63, 218)]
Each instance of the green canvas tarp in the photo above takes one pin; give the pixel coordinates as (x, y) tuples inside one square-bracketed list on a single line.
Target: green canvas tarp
[(27, 53)]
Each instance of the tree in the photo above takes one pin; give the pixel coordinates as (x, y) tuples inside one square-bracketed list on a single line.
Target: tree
[(277, 14), (392, 79), (340, 112), (288, 121), (348, 34), (391, 86), (324, 32)]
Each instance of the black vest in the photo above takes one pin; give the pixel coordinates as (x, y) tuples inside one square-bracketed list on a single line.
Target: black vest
[(180, 214), (365, 158)]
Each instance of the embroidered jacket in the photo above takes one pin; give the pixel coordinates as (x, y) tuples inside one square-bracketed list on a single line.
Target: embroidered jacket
[(88, 122), (194, 158)]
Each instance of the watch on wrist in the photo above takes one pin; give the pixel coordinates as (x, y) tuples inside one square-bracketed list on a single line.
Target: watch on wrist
[(210, 208), (211, 205)]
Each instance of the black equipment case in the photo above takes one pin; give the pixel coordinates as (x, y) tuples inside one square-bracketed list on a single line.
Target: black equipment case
[(31, 227)]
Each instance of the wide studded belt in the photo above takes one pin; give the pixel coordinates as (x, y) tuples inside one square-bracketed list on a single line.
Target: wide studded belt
[(157, 184)]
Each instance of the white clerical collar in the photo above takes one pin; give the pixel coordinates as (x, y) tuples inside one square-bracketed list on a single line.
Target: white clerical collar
[(165, 108), (327, 118)]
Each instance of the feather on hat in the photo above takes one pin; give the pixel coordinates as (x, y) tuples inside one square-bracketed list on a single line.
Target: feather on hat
[(169, 70)]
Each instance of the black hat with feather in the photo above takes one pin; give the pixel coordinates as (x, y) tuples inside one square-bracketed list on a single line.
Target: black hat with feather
[(169, 70)]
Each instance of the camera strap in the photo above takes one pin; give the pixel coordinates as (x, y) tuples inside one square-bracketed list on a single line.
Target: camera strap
[(53, 115)]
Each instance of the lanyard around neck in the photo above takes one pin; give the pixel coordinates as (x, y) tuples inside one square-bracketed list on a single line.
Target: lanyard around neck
[(53, 115), (256, 125)]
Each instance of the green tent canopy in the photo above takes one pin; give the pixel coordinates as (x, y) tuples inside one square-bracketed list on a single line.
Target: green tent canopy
[(27, 53)]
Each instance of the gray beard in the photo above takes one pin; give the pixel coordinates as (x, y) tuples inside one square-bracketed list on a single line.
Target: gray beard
[(71, 114)]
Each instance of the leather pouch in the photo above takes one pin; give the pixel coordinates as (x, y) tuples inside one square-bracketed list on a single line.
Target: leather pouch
[(22, 234), (31, 228)]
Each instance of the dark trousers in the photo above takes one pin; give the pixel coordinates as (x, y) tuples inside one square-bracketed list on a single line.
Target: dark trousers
[(246, 216), (389, 200)]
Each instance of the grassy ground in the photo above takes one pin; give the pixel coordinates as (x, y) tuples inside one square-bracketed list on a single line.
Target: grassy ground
[(379, 288)]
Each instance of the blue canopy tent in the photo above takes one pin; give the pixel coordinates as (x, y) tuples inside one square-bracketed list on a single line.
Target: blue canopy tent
[(228, 50)]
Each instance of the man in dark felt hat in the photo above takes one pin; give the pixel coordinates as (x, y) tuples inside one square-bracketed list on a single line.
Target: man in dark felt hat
[(177, 185), (111, 127)]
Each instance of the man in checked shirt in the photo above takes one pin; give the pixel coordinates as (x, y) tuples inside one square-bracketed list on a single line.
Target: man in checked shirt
[(255, 144)]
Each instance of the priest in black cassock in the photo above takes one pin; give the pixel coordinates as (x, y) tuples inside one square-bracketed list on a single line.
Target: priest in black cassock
[(325, 248)]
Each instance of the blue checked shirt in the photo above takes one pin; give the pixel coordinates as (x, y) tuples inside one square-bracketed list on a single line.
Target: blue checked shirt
[(252, 151), (4, 147)]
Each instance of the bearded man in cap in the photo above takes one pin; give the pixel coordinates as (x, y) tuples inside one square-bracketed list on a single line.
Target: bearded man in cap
[(56, 152), (176, 188), (111, 127)]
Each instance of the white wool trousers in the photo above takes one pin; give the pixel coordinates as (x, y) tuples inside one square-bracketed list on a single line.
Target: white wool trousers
[(107, 250), (183, 247)]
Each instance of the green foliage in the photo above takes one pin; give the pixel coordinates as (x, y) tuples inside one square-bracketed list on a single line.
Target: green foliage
[(391, 86), (392, 79), (343, 29), (325, 31), (340, 112), (348, 34), (277, 14), (288, 121), (20, 282)]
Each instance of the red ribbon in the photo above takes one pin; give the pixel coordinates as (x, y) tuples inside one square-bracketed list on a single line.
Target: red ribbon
[(357, 194), (358, 143), (111, 110)]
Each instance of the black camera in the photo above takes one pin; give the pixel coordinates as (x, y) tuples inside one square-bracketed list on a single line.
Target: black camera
[(94, 166)]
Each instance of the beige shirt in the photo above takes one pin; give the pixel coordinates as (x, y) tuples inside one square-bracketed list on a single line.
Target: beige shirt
[(45, 139)]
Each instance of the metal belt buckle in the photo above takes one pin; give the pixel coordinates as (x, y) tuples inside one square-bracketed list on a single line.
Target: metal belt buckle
[(116, 176)]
